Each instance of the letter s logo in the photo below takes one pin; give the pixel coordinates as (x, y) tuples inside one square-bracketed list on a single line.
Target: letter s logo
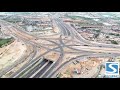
[(112, 68)]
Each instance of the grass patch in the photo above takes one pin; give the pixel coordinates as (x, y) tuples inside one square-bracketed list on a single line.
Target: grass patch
[(59, 75), (114, 34), (5, 41), (114, 42)]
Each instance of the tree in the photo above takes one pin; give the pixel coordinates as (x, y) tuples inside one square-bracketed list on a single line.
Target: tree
[(117, 34), (107, 36), (114, 42), (96, 35)]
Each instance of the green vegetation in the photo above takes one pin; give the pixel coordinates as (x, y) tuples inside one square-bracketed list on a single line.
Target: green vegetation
[(98, 31), (78, 17), (59, 75), (90, 21), (67, 72), (114, 42), (111, 34), (114, 34), (107, 36), (13, 19), (74, 17), (5, 41), (117, 34), (96, 35)]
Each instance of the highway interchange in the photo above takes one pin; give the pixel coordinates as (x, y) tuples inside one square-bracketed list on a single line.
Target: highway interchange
[(39, 67)]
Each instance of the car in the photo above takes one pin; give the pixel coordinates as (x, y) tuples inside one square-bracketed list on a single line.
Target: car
[(85, 45), (75, 62)]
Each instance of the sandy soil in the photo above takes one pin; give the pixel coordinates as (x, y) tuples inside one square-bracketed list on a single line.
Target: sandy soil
[(11, 53), (53, 56), (42, 41), (117, 59), (67, 57), (56, 29), (86, 68), (24, 61), (102, 72)]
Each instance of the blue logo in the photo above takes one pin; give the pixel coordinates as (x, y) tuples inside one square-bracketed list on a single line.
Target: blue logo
[(112, 68)]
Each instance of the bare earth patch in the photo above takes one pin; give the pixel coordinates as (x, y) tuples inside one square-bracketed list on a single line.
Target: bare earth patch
[(53, 56), (84, 69), (11, 53)]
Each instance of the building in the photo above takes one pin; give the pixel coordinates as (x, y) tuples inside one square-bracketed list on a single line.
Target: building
[(78, 71), (31, 28)]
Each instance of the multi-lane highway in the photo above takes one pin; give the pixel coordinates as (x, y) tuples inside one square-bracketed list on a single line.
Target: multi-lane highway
[(39, 67), (35, 69)]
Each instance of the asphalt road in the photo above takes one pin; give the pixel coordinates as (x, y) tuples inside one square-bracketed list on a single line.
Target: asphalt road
[(47, 69)]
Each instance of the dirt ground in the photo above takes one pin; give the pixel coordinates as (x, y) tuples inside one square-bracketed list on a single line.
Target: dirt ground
[(53, 56), (86, 69), (11, 53)]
